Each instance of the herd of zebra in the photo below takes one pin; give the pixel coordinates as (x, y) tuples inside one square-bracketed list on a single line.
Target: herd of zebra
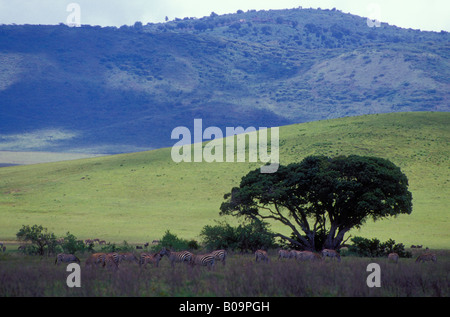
[(333, 254), (113, 260)]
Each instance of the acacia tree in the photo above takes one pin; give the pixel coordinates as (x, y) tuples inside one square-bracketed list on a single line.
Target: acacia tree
[(40, 239), (320, 199)]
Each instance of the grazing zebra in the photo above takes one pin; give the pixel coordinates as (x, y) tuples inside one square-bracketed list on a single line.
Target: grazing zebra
[(112, 261), (95, 259), (393, 257), (115, 257), (207, 260), (150, 258), (331, 253), (426, 257), (68, 258), (285, 254), (261, 255), (307, 255), (220, 255), (183, 256), (129, 257)]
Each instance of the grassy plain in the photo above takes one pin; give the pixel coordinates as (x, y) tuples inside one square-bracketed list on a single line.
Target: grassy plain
[(137, 197)]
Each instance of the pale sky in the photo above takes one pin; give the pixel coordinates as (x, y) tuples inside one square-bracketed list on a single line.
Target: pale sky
[(426, 15)]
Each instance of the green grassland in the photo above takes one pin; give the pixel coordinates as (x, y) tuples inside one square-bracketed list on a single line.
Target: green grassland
[(137, 197)]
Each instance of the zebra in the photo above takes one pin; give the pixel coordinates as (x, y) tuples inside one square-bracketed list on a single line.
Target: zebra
[(307, 255), (261, 255), (426, 257), (331, 253), (207, 260), (95, 259), (129, 257), (152, 258), (220, 255), (68, 258), (393, 257), (111, 261), (285, 254), (183, 256), (115, 257)]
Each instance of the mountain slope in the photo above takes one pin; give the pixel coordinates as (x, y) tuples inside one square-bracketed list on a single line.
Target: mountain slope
[(138, 196), (109, 90)]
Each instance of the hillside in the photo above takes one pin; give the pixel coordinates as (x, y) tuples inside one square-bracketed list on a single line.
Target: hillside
[(137, 197), (114, 90)]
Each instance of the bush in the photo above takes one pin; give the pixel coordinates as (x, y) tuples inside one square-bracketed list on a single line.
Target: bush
[(248, 237), (171, 241), (374, 248), (41, 240), (71, 244), (112, 247)]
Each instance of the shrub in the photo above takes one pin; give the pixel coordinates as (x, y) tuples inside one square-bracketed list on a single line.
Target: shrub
[(247, 237), (374, 248), (71, 244), (171, 241), (114, 248), (41, 240)]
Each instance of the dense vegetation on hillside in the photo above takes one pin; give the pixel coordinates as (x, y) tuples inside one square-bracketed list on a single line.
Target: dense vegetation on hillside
[(109, 90)]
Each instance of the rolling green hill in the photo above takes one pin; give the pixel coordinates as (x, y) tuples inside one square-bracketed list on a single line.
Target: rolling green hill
[(138, 196)]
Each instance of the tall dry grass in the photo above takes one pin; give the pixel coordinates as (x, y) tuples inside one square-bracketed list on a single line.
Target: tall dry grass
[(240, 277)]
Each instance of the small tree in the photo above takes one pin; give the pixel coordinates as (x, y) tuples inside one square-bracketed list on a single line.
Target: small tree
[(41, 240), (71, 244), (246, 237), (171, 241)]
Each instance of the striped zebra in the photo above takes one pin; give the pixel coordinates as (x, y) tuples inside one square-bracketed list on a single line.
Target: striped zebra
[(207, 260), (261, 255), (426, 257), (112, 261), (307, 256), (115, 257), (128, 257), (331, 253), (176, 257), (220, 255), (96, 259), (67, 258), (285, 254), (393, 257), (149, 258)]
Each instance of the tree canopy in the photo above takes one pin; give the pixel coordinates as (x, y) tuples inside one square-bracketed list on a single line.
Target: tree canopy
[(320, 199)]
